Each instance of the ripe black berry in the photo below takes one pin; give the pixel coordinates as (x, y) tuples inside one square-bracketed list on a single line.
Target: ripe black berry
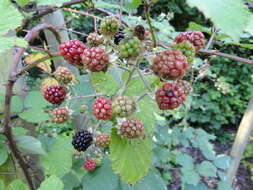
[(82, 140)]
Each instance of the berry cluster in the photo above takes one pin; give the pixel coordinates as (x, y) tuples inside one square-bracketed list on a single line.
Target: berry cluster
[(194, 37), (109, 26), (55, 94), (63, 75), (170, 65), (60, 115), (102, 108), (103, 140), (95, 59), (72, 50), (130, 48), (94, 39), (82, 140), (132, 128), (123, 106), (187, 49), (90, 165), (169, 96)]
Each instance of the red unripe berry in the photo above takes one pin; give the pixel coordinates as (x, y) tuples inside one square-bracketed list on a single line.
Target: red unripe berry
[(194, 37), (95, 59), (60, 115), (169, 96), (170, 64), (90, 165), (55, 94), (132, 128), (102, 108), (72, 50)]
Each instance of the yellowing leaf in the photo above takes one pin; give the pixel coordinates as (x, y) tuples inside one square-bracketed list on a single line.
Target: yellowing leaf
[(45, 66)]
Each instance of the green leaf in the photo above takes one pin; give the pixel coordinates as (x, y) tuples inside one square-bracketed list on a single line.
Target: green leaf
[(153, 181), (3, 153), (16, 104), (146, 114), (17, 184), (130, 159), (29, 144), (185, 161), (207, 169), (224, 185), (2, 186), (189, 176), (133, 4), (9, 42), (102, 177), (200, 186), (35, 103), (104, 83), (231, 24), (52, 182), (10, 17), (222, 161), (22, 2), (58, 160), (19, 131), (136, 86), (51, 2), (70, 181)]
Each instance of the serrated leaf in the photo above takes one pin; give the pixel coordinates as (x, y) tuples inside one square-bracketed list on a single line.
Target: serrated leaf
[(104, 83), (146, 114), (10, 17), (45, 66), (222, 161), (3, 154), (58, 160), (189, 176), (17, 184), (29, 144), (185, 161), (35, 113), (131, 160), (231, 24), (52, 182), (8, 42), (102, 178), (207, 169)]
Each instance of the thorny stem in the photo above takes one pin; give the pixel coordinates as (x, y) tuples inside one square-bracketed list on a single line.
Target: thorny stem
[(147, 15), (32, 34), (144, 80), (87, 96), (82, 13), (233, 57), (211, 39)]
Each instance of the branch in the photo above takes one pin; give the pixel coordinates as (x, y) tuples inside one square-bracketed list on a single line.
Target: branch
[(82, 13), (144, 81), (147, 15), (8, 96), (211, 39), (233, 57), (46, 11)]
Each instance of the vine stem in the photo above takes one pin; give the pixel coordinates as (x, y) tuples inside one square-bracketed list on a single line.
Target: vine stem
[(87, 96), (7, 129), (144, 80), (147, 15)]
